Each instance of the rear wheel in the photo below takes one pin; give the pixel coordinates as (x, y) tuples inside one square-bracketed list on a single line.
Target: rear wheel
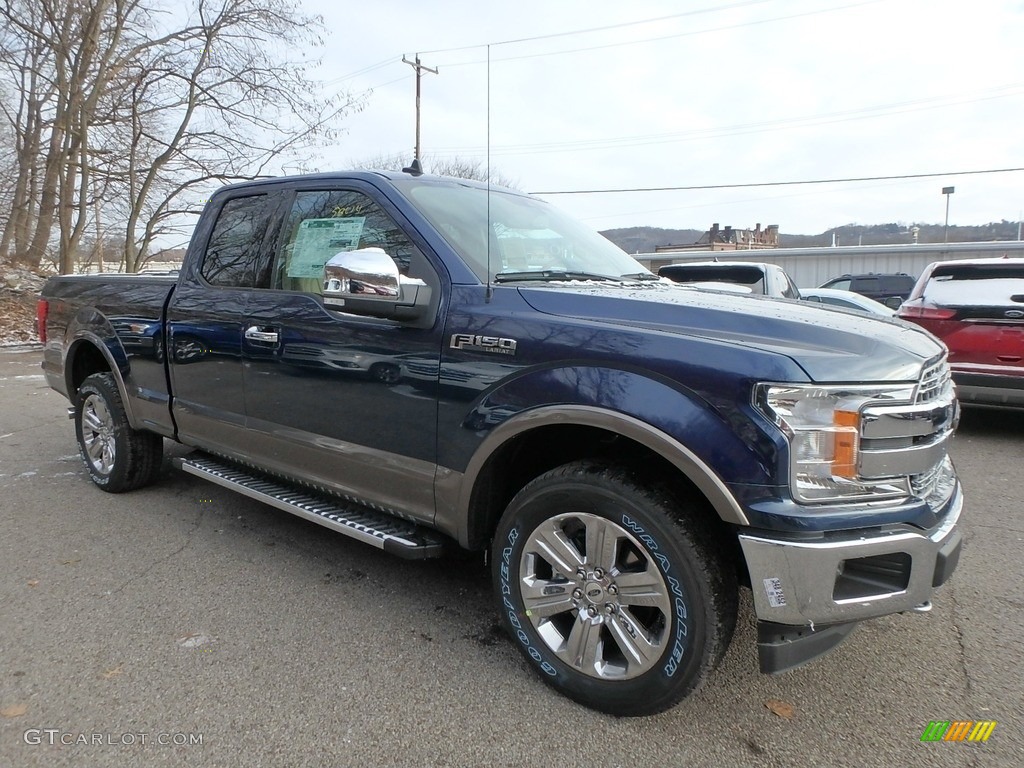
[(117, 457), (615, 592)]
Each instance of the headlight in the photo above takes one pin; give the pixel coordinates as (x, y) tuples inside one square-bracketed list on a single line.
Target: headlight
[(823, 427)]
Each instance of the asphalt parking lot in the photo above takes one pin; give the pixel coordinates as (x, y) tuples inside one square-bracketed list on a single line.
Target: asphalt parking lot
[(186, 625)]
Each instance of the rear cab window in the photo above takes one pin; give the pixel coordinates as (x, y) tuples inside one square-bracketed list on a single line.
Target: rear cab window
[(751, 277), (236, 241)]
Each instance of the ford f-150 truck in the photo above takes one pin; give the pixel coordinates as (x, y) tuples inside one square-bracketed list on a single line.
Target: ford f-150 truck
[(425, 363)]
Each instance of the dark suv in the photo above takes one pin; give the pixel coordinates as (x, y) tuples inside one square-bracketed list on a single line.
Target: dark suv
[(891, 290)]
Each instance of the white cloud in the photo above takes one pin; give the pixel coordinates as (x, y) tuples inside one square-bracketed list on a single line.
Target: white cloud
[(747, 92)]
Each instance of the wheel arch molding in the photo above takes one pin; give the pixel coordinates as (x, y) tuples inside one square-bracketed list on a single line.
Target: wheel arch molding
[(474, 531), (85, 341)]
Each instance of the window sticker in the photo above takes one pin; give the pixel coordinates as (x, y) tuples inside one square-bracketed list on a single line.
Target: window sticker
[(320, 239)]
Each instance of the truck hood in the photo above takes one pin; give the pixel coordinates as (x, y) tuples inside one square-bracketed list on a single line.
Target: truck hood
[(829, 345)]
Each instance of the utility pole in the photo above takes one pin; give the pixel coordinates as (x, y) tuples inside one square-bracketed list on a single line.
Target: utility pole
[(415, 64)]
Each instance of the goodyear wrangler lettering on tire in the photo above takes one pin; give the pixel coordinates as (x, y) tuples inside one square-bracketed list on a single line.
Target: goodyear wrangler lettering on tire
[(679, 644), (610, 590), (506, 590), (641, 534), (679, 600)]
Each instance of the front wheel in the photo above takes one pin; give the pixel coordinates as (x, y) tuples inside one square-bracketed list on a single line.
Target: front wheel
[(617, 593), (386, 373), (117, 457)]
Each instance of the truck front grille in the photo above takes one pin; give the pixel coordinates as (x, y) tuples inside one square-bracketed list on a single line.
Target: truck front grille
[(910, 441), (936, 381)]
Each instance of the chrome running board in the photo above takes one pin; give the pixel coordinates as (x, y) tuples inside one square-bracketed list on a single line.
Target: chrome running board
[(384, 531)]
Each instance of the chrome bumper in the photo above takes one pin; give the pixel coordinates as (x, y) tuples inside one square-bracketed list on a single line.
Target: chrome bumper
[(838, 580)]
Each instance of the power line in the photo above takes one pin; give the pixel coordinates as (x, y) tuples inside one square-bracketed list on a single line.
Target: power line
[(664, 37), (394, 59), (576, 32), (601, 29), (718, 204), (364, 70), (777, 183), (864, 113)]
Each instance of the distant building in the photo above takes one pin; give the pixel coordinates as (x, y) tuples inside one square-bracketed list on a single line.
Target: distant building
[(729, 239)]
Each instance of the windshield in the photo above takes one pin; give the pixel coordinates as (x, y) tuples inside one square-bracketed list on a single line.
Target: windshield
[(529, 239)]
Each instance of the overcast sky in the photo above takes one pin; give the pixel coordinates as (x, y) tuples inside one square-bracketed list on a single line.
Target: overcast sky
[(664, 94)]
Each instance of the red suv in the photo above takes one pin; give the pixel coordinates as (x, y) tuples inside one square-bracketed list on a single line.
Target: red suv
[(977, 308)]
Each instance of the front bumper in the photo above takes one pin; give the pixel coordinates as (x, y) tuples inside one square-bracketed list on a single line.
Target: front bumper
[(847, 576)]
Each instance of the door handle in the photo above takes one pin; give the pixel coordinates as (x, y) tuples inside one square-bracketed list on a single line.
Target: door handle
[(256, 333)]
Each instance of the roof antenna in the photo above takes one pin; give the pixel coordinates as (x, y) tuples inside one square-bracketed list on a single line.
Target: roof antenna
[(414, 168), (490, 228)]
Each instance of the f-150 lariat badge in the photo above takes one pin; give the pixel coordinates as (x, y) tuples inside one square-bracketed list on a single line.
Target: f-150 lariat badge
[(493, 344)]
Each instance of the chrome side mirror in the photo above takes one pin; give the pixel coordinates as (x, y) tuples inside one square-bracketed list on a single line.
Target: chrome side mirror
[(367, 274), (367, 282)]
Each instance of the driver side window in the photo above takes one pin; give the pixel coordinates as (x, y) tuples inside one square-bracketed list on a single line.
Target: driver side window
[(324, 223)]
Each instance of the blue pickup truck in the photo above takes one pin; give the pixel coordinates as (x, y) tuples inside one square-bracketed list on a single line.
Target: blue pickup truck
[(427, 364)]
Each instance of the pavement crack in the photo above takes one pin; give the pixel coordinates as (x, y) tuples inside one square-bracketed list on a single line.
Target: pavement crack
[(171, 555), (998, 528), (961, 643)]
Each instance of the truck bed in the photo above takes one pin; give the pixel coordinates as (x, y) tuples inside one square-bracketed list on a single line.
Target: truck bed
[(125, 314)]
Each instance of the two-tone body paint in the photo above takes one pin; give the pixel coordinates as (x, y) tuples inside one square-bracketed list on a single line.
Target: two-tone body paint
[(667, 366)]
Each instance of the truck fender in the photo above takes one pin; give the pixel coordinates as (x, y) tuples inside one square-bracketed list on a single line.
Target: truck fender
[(651, 437), (675, 422), (81, 335)]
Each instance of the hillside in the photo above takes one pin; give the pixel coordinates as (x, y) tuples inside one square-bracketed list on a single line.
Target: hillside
[(645, 239)]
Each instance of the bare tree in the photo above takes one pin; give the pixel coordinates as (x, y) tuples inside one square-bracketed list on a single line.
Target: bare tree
[(125, 107), (457, 167), (22, 62)]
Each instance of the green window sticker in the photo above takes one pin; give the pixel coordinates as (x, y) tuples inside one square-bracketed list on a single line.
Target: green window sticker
[(320, 239)]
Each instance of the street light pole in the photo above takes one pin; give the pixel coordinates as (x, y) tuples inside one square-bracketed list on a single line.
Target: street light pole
[(947, 191)]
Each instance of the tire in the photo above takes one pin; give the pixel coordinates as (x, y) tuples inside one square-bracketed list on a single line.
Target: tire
[(632, 628), (188, 349), (117, 457), (386, 373)]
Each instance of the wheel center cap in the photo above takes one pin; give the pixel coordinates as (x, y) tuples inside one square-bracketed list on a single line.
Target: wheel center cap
[(594, 592)]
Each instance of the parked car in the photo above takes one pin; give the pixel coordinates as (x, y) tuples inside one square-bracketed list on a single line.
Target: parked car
[(977, 308), (891, 290), (760, 279), (831, 297)]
